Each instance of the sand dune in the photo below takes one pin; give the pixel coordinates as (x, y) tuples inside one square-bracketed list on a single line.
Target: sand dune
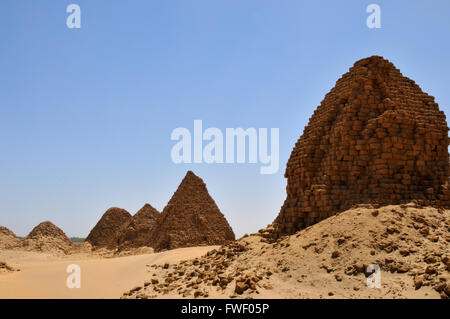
[(44, 276)]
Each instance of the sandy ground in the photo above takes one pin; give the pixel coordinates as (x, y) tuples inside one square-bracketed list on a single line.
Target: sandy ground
[(43, 275), (410, 244)]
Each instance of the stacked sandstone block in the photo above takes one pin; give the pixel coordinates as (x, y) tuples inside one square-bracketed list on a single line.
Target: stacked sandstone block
[(191, 218), (375, 138), (138, 232), (109, 229)]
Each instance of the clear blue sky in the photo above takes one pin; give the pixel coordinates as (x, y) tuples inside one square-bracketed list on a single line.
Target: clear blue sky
[(86, 115)]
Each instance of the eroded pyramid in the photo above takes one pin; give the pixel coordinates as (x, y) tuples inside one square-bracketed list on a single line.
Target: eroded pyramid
[(47, 237), (139, 231), (8, 239), (375, 138), (191, 218), (109, 229)]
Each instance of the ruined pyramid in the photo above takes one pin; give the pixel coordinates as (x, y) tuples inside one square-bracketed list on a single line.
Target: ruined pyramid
[(107, 232), (8, 239), (47, 237), (375, 138), (138, 232), (191, 218)]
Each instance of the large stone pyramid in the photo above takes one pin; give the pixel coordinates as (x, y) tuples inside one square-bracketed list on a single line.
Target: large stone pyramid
[(139, 230), (191, 218), (375, 138), (109, 229)]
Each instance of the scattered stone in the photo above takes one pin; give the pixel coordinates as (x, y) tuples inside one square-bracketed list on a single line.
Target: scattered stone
[(335, 254), (240, 288), (418, 282)]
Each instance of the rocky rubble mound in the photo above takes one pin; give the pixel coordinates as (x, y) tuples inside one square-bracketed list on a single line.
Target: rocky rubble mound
[(82, 248), (109, 229), (375, 138), (8, 239), (191, 218), (409, 243), (4, 267), (187, 277), (46, 237), (139, 230)]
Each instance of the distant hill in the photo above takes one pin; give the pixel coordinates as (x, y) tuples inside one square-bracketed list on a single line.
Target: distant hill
[(77, 239)]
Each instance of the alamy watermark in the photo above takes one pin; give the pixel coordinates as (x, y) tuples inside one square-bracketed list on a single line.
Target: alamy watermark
[(74, 279), (73, 21), (374, 279), (239, 146), (374, 19)]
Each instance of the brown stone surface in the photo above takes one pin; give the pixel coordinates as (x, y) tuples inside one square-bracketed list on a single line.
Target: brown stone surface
[(375, 138), (109, 229), (191, 218), (47, 237), (8, 239), (139, 230)]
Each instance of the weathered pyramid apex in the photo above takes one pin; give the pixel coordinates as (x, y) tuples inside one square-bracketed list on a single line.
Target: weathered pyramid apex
[(191, 175), (191, 218)]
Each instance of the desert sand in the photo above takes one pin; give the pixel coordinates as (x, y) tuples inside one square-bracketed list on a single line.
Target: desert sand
[(44, 275), (410, 244)]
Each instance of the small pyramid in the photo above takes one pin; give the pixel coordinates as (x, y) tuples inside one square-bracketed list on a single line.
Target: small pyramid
[(48, 229), (139, 230), (8, 239), (375, 138), (48, 238), (191, 218), (109, 229)]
